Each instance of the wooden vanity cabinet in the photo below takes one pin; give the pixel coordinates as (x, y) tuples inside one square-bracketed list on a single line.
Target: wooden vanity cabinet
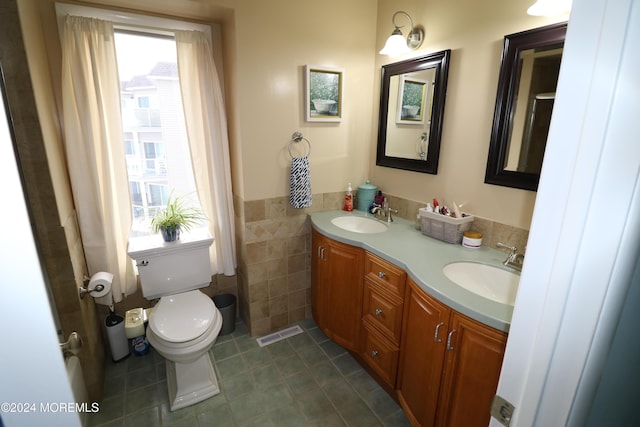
[(449, 364), (337, 272), (443, 366)]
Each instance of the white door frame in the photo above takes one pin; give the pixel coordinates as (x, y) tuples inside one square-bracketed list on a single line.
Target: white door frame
[(34, 389)]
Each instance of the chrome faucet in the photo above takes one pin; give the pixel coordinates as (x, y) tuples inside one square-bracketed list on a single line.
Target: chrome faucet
[(514, 259), (389, 211), (376, 209), (384, 211)]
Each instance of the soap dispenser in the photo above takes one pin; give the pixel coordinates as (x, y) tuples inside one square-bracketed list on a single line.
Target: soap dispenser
[(348, 199)]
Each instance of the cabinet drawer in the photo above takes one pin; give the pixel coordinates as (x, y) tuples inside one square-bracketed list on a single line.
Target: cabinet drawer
[(384, 310), (385, 274), (380, 354)]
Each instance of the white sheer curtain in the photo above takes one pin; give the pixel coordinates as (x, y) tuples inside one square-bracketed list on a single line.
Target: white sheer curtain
[(95, 149), (208, 140)]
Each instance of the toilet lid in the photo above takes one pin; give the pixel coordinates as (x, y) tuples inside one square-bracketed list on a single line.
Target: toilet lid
[(182, 317)]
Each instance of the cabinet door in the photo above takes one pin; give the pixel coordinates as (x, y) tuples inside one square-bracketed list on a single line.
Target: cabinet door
[(421, 355), (336, 290), (318, 273), (471, 375)]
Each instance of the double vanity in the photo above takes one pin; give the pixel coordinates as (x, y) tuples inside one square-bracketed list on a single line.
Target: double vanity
[(428, 319)]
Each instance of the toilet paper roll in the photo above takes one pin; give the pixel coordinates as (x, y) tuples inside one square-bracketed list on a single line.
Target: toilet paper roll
[(100, 284)]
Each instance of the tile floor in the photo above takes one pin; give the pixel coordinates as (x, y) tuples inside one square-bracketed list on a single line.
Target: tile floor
[(305, 380)]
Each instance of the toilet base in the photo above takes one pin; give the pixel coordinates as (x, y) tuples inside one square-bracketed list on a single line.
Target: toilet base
[(190, 383)]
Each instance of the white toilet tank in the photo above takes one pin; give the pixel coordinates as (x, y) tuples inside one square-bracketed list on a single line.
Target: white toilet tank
[(168, 268)]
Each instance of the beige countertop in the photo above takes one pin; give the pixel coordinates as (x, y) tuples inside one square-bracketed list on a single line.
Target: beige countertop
[(423, 258)]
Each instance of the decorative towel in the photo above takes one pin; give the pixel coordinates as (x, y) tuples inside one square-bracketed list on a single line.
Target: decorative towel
[(300, 188)]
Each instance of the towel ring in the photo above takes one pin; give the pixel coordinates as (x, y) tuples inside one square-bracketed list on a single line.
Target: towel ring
[(298, 137)]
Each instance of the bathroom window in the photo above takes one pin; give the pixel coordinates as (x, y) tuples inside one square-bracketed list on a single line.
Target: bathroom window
[(143, 102), (156, 145)]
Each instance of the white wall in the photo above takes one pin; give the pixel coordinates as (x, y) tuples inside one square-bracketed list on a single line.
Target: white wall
[(474, 31)]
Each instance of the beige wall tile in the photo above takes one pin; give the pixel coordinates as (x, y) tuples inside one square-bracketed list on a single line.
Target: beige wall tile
[(277, 286), (279, 305), (296, 263), (259, 291), (276, 249), (255, 252), (254, 210)]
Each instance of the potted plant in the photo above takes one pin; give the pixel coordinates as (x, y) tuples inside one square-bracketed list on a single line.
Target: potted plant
[(175, 217)]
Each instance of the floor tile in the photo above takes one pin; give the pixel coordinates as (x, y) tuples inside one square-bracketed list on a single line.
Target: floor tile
[(257, 357), (326, 373), (288, 416), (275, 396), (315, 405), (148, 418), (264, 376), (247, 407), (290, 365), (220, 416), (305, 380), (236, 386), (332, 349), (224, 350), (313, 355), (301, 382), (346, 364)]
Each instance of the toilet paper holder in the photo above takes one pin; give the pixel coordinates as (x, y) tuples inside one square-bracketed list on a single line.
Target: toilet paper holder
[(84, 290)]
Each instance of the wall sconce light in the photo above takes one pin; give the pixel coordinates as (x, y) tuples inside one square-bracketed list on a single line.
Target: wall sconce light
[(397, 44), (549, 7)]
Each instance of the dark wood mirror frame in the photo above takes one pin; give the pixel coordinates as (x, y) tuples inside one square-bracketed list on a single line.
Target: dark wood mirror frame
[(439, 61), (508, 81)]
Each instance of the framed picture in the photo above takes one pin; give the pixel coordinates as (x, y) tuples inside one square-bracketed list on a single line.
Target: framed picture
[(412, 95), (324, 88)]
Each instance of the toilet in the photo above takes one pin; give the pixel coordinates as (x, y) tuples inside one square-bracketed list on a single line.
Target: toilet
[(184, 323)]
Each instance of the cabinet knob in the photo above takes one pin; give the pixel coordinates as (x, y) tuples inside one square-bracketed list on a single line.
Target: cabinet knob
[(374, 353), (378, 312), (435, 335), (381, 275), (449, 346)]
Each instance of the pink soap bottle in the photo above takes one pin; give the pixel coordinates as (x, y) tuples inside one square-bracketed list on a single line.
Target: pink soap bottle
[(348, 200)]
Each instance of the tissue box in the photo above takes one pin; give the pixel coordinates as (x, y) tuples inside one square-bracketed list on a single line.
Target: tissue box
[(442, 227)]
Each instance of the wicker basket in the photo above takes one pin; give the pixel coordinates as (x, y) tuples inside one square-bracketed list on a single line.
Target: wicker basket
[(443, 227)]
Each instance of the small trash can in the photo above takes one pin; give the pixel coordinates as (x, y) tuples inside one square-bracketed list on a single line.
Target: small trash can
[(117, 339), (226, 303)]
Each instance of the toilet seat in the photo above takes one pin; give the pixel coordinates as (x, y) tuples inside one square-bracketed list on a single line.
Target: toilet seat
[(183, 317)]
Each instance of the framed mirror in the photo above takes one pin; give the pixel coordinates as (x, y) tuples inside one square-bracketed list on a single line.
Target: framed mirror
[(412, 97), (524, 103)]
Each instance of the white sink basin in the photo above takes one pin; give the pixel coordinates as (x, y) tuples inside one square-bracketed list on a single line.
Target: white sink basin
[(485, 280), (359, 224)]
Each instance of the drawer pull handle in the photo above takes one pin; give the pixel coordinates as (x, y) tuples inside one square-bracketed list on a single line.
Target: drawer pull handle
[(449, 347), (374, 353), (378, 312), (435, 335), (142, 264), (381, 275)]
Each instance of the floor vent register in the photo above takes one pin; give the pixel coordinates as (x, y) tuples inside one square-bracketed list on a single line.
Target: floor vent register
[(279, 336)]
